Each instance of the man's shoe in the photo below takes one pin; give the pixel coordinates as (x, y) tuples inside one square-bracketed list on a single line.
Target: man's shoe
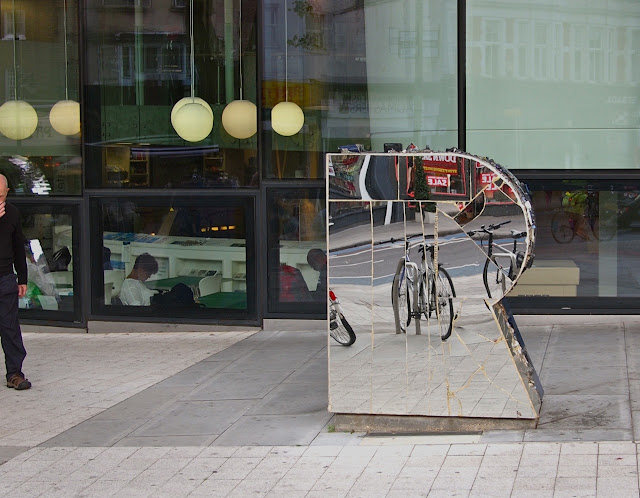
[(18, 382)]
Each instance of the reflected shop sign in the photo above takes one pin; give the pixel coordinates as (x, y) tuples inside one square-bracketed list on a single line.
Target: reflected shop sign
[(437, 181), (446, 164)]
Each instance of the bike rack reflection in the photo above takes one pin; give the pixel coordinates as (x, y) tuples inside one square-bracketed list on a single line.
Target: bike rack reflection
[(422, 248)]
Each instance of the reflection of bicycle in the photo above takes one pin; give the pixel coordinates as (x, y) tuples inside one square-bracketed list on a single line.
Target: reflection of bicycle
[(422, 290), (580, 210), (504, 264), (339, 327)]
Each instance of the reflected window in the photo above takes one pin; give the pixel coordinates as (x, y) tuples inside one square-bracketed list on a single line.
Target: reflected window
[(361, 79), (584, 244), (139, 67), (296, 240), (51, 250), (40, 55), (539, 63), (181, 257)]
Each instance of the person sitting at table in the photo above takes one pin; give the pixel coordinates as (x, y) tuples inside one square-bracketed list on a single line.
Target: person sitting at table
[(133, 291)]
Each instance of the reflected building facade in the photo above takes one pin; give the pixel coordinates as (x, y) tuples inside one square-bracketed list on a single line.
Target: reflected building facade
[(551, 92)]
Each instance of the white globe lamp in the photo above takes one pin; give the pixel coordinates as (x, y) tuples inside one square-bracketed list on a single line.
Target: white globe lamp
[(65, 117), (189, 100), (287, 118), (240, 119), (193, 122), (18, 119)]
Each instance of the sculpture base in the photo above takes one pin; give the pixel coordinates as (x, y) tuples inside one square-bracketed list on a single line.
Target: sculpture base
[(416, 424)]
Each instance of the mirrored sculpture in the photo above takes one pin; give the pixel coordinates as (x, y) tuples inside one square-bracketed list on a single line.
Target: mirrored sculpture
[(422, 247)]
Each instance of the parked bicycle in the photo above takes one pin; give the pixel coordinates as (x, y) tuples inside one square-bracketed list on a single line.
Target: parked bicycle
[(339, 327), (504, 264), (422, 290), (580, 216)]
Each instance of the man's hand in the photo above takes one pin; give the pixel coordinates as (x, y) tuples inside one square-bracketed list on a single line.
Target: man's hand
[(2, 209), (22, 290)]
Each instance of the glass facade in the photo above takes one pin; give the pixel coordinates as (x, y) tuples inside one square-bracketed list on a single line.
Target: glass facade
[(106, 106), (199, 248)]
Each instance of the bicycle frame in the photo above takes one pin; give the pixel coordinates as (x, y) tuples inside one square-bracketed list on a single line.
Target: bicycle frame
[(423, 287), (511, 256)]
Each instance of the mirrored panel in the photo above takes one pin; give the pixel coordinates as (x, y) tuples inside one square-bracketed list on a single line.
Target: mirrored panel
[(388, 382), (350, 284), (426, 270)]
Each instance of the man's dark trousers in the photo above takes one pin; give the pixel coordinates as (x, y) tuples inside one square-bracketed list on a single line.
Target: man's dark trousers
[(10, 333)]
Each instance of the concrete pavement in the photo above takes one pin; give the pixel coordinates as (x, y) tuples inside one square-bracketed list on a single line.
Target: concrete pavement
[(243, 413)]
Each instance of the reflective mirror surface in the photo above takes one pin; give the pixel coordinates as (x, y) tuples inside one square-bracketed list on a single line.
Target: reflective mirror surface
[(422, 248)]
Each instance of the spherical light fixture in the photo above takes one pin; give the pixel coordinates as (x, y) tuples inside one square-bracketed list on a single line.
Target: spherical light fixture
[(65, 117), (287, 118), (18, 119), (189, 100), (192, 117), (240, 119), (193, 122)]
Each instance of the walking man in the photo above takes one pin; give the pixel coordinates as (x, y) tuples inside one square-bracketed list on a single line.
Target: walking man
[(12, 255)]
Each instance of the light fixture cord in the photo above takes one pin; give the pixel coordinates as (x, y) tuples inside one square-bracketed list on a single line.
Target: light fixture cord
[(286, 55), (240, 47), (66, 60), (15, 64), (192, 54)]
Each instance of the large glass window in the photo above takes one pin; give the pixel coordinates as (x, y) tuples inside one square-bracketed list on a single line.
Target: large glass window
[(140, 63), (586, 237), (51, 245), (297, 245), (374, 73), (40, 113), (177, 258), (572, 100)]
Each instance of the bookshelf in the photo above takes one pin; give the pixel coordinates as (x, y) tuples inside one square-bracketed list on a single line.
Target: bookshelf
[(139, 175)]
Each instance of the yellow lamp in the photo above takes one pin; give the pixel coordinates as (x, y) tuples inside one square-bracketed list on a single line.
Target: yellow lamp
[(189, 100), (240, 119), (287, 118), (193, 122), (65, 117), (18, 119)]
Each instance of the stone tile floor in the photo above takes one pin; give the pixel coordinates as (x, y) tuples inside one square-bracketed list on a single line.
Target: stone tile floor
[(217, 414)]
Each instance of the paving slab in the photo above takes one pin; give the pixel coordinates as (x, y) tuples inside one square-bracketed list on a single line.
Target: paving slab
[(275, 430), (195, 418)]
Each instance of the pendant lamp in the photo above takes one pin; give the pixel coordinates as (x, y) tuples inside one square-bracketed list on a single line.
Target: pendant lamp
[(18, 119), (286, 117), (240, 117), (65, 114), (192, 117)]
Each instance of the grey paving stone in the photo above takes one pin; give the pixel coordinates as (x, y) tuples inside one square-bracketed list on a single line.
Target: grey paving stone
[(143, 405), (584, 379), (293, 399), (271, 360), (502, 436), (170, 440), (585, 412), (238, 385), (194, 375), (274, 430), (562, 435), (9, 452), (95, 433), (314, 370), (191, 418)]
